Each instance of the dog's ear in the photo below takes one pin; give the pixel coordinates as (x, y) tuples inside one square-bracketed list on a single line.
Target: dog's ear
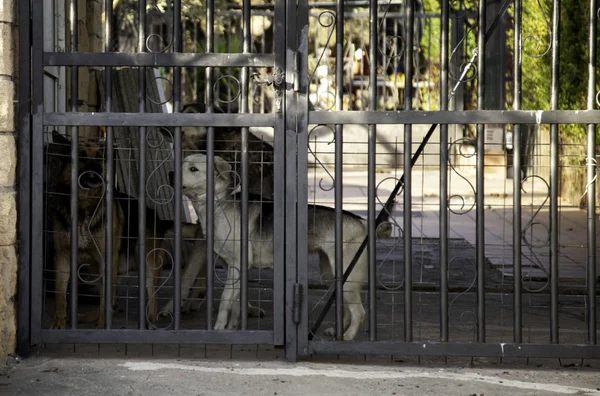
[(58, 138), (60, 145), (221, 165), (197, 107), (200, 107)]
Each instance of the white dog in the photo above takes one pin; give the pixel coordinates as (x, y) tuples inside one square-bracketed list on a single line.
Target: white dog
[(227, 236)]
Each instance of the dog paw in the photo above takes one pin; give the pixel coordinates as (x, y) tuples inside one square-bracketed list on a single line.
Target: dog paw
[(190, 306), (88, 317), (219, 325), (349, 335), (256, 312), (167, 310), (59, 323)]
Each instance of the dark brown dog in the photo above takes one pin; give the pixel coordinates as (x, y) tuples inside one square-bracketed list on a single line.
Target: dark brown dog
[(91, 225)]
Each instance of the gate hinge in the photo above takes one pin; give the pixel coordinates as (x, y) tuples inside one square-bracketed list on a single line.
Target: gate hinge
[(297, 303)]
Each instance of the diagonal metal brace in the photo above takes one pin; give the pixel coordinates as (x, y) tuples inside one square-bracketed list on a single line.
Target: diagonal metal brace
[(387, 208)]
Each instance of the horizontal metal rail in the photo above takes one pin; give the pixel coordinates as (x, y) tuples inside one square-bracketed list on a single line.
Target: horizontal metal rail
[(157, 59), (160, 119), (156, 337), (356, 117), (456, 117), (465, 349)]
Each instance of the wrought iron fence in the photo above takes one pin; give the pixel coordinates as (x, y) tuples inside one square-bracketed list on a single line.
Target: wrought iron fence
[(371, 188)]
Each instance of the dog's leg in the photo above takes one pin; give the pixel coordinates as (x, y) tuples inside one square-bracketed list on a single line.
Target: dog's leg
[(330, 331), (230, 295), (357, 312), (352, 287), (194, 281), (354, 312), (193, 268), (326, 260), (101, 322), (115, 271), (234, 318), (62, 275), (155, 258), (197, 293)]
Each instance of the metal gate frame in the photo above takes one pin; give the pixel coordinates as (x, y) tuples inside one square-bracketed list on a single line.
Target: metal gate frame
[(33, 118)]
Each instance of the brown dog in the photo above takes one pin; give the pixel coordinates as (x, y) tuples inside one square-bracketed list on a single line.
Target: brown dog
[(91, 227)]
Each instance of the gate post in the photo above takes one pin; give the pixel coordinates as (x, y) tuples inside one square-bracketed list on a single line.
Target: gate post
[(296, 182), (25, 180)]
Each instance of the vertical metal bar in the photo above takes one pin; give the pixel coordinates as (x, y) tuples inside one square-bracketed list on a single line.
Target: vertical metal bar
[(196, 69), (142, 174), (480, 223), (279, 46), (301, 115), (554, 176), (517, 273), (339, 172), (408, 259), (244, 177), (74, 231), (591, 175), (458, 49), (371, 215), (178, 207), (210, 167), (24, 301), (110, 172), (444, 38), (37, 174), (296, 218)]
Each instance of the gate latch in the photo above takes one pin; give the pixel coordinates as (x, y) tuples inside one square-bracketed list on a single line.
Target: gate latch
[(278, 82)]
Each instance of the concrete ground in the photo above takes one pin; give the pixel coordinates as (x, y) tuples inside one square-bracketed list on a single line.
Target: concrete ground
[(66, 375)]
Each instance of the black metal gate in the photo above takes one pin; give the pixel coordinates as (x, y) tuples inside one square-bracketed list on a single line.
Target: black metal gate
[(319, 111), (109, 129)]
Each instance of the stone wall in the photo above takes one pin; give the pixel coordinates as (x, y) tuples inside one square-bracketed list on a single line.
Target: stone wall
[(8, 189)]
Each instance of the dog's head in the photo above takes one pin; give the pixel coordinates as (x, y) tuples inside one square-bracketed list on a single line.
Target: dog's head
[(193, 177), (193, 138), (91, 170), (191, 135)]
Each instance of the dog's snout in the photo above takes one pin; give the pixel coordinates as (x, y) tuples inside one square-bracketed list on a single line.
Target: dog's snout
[(172, 179), (90, 179)]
